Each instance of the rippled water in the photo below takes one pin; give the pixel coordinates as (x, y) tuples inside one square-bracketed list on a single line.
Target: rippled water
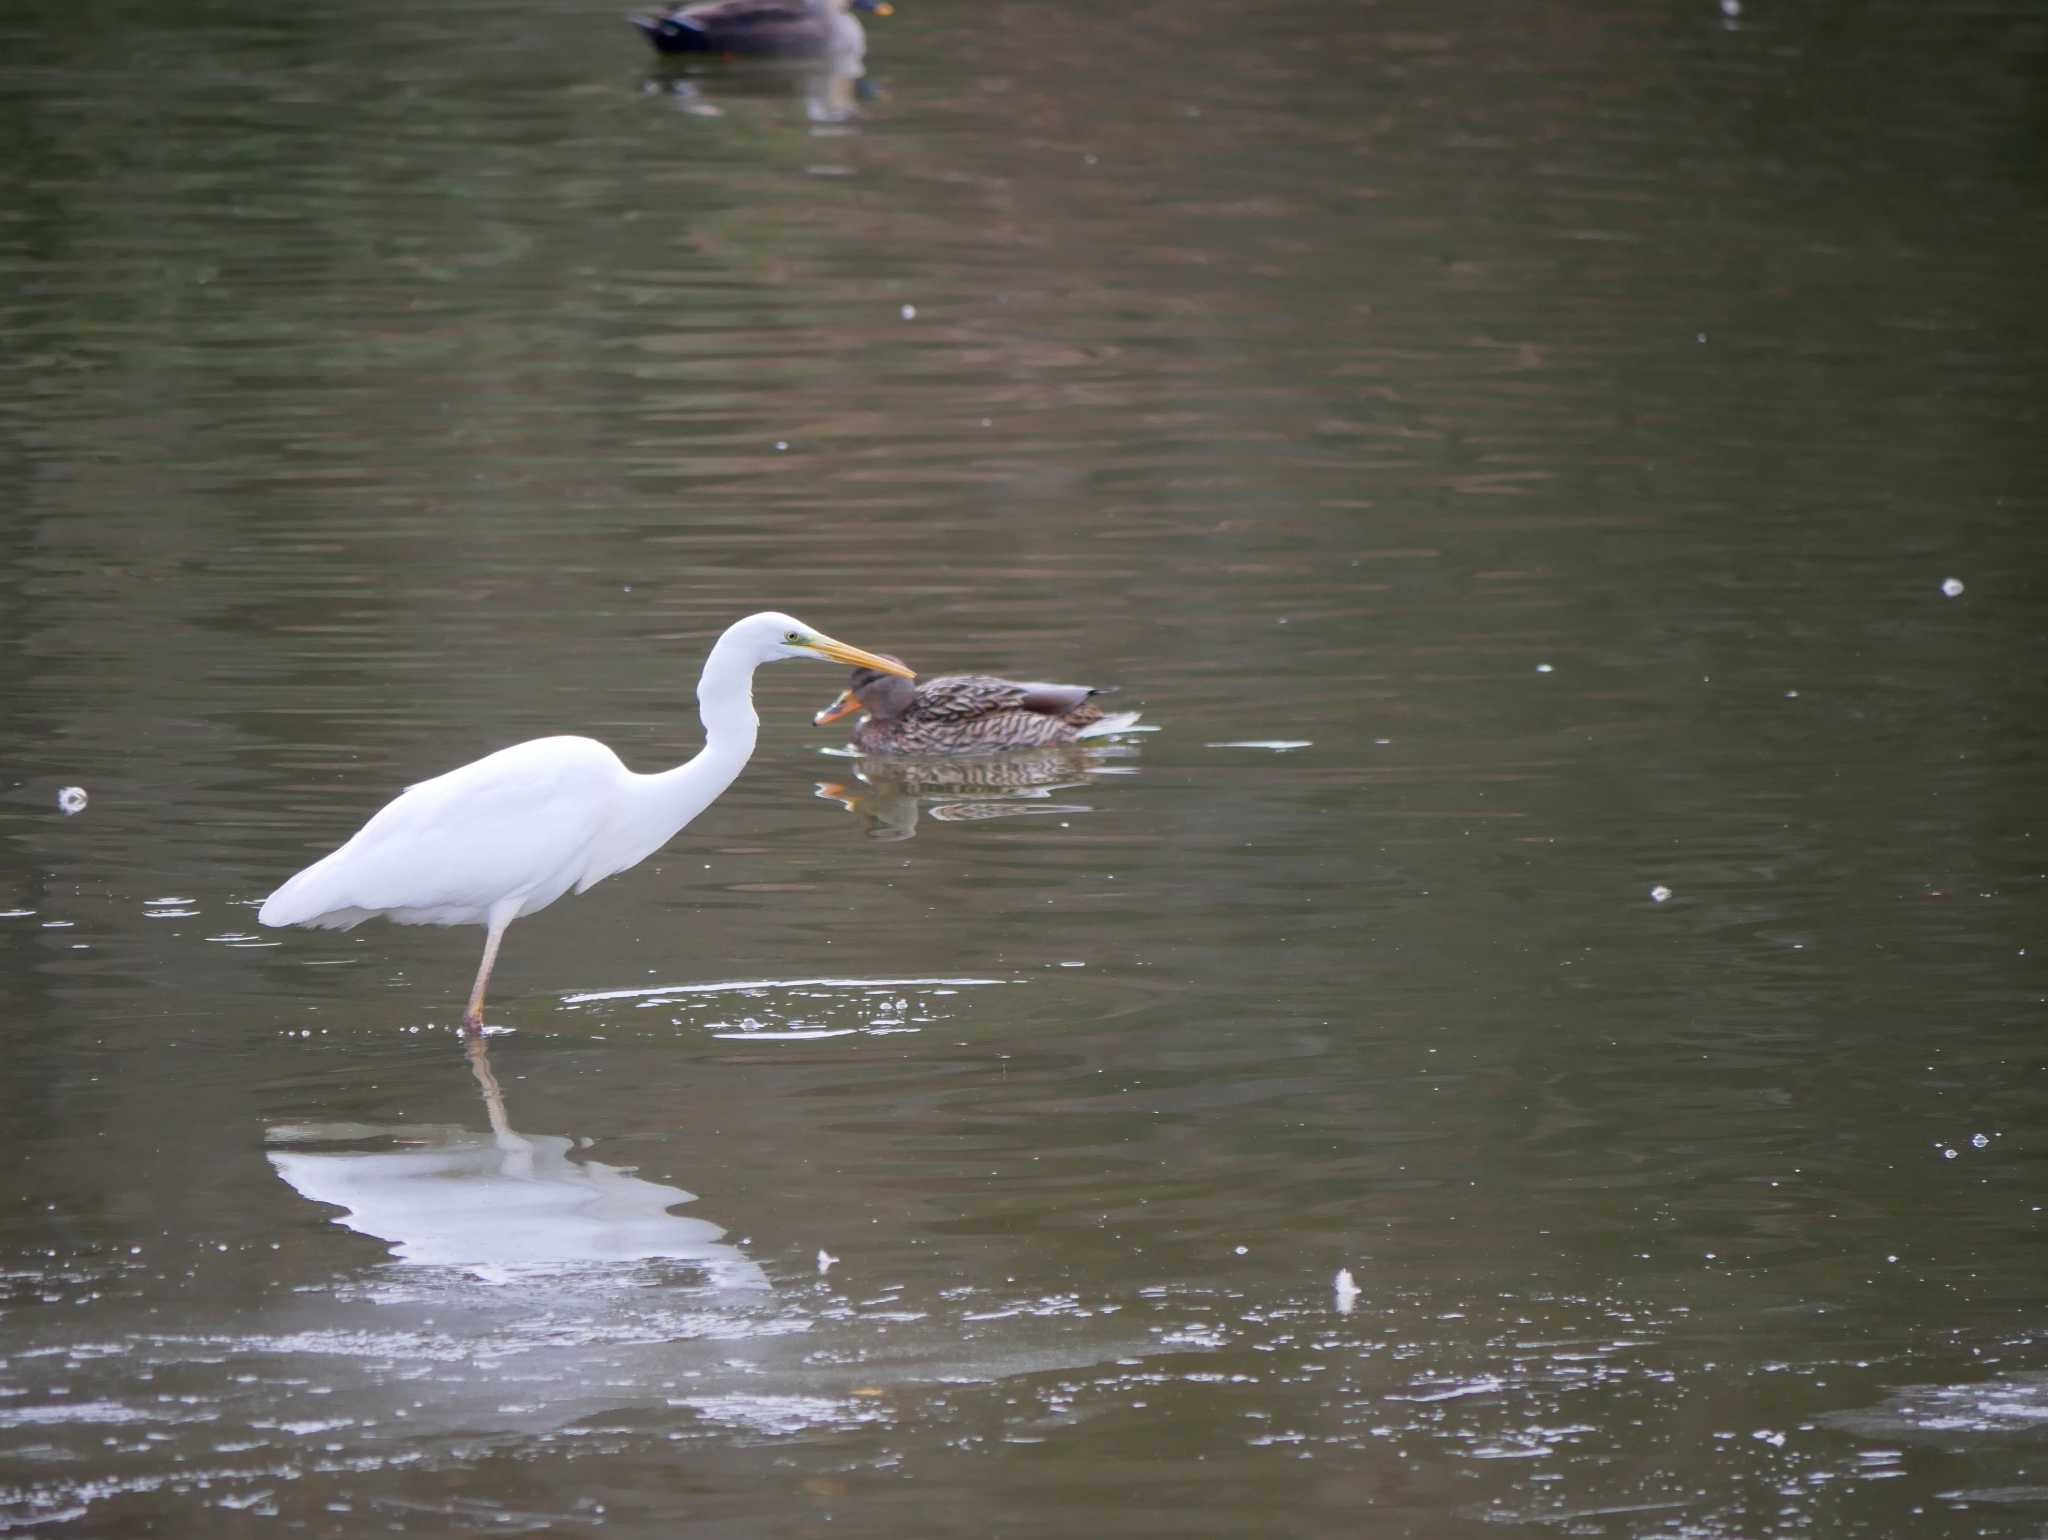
[(1512, 458)]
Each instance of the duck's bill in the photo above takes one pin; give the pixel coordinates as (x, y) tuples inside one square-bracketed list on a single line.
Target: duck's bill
[(845, 706), (856, 657)]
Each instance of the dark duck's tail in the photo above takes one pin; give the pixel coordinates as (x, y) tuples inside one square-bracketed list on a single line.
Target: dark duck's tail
[(673, 32)]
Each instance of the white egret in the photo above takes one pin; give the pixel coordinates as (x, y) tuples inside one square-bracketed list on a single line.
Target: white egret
[(509, 834)]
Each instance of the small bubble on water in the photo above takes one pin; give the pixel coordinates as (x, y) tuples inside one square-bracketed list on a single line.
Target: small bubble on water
[(910, 312), (1731, 8), (71, 799), (1980, 1141), (1659, 894), (1545, 668), (1948, 1154), (1240, 1250), (1952, 586)]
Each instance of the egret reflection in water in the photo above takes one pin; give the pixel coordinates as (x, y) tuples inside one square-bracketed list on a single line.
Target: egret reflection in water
[(500, 1204), (889, 794)]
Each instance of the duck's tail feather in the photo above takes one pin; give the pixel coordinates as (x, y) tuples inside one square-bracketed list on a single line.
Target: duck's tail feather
[(1112, 722), (671, 33)]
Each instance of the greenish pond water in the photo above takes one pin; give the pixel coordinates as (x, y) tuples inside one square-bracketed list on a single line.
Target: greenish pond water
[(1511, 456)]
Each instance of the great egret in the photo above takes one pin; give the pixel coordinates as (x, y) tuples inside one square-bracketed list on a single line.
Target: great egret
[(966, 713), (509, 834)]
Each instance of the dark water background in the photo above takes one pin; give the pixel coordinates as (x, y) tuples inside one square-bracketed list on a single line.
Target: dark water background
[(1559, 422)]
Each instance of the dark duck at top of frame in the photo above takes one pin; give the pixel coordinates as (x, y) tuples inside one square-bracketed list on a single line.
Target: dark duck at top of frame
[(762, 29)]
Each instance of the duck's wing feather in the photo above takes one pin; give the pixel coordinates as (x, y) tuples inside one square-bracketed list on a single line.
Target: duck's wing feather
[(1056, 700), (964, 697), (753, 18), (729, 13)]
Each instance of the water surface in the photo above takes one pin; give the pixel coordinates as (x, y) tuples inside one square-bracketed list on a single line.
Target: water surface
[(1511, 458)]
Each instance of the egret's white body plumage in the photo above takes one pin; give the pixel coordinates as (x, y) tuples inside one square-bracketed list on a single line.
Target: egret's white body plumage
[(510, 833), (522, 826)]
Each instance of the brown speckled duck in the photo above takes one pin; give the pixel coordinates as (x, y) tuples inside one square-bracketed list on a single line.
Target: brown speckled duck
[(967, 714)]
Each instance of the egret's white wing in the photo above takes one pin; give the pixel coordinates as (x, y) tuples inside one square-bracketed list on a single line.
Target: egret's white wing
[(518, 822)]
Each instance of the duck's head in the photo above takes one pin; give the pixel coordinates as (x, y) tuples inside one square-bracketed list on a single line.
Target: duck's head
[(881, 694)]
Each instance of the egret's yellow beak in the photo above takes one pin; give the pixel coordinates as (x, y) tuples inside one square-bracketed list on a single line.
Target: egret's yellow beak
[(845, 706), (855, 657)]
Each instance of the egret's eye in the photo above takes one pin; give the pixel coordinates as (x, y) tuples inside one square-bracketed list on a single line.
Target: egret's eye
[(794, 637)]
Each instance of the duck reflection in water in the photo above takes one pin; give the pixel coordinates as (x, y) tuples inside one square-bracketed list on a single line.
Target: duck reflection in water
[(889, 794), (502, 1205), (833, 91)]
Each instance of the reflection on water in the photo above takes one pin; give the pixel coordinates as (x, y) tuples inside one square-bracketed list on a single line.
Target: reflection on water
[(1563, 419), (832, 91), (889, 793), (2006, 1404), (792, 1010), (501, 1203)]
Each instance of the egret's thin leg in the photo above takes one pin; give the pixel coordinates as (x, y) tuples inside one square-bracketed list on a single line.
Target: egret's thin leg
[(473, 1018)]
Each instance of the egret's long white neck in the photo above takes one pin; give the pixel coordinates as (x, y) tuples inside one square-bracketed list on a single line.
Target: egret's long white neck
[(725, 704)]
